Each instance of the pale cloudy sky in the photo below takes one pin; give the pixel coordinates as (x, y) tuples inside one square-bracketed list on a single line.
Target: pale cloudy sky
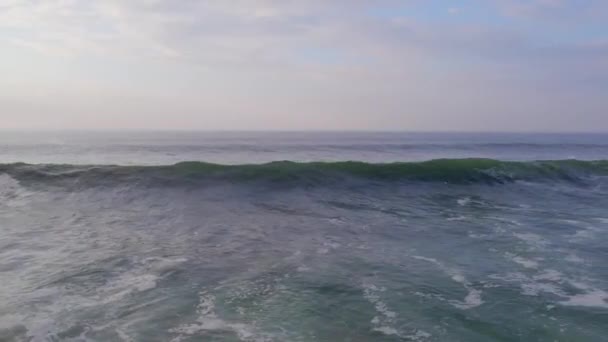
[(506, 65)]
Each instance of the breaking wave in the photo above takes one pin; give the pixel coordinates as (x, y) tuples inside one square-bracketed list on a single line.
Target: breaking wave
[(487, 171)]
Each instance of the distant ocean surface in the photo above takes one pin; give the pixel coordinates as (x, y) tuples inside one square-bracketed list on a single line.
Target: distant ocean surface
[(293, 236), (162, 148)]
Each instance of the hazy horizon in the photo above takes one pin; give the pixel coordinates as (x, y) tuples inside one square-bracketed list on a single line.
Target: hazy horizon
[(304, 131), (266, 65)]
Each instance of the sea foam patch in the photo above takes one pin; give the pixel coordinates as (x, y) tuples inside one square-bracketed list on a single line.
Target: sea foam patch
[(594, 298), (12, 194), (473, 297), (385, 320), (527, 263), (208, 320), (533, 240)]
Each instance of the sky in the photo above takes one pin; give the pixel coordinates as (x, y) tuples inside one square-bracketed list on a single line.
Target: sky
[(413, 65)]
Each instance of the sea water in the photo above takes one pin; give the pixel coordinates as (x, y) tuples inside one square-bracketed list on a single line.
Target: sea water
[(293, 236)]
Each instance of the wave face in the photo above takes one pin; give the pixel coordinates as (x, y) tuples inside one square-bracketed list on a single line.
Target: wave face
[(441, 170)]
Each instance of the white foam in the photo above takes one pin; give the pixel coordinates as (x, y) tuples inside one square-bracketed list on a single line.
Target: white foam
[(208, 320), (535, 288), (327, 247), (370, 292), (12, 194), (532, 239), (419, 335), (11, 321), (574, 259), (584, 234), (580, 285), (463, 201), (473, 297), (161, 265), (527, 263), (506, 220), (426, 295), (571, 222), (434, 261), (475, 236), (487, 285), (336, 221), (530, 286), (459, 278), (144, 283), (499, 229), (124, 336), (385, 319), (456, 218), (332, 245), (56, 300), (127, 285), (595, 298), (142, 278), (7, 182), (303, 268), (549, 281), (386, 330), (550, 275)]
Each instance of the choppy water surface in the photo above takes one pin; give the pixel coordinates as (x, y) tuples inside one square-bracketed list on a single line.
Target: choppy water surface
[(448, 250)]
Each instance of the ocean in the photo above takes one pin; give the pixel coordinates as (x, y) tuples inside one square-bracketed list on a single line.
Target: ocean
[(303, 236)]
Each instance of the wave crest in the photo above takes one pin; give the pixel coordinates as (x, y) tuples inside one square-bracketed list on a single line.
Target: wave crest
[(487, 171)]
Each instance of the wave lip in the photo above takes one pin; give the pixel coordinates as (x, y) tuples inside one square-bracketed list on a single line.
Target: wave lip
[(488, 171)]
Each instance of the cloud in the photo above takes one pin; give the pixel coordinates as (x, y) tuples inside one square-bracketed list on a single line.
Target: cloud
[(265, 31), (340, 58), (566, 11)]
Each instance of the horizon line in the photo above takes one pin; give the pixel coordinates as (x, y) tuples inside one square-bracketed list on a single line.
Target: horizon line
[(150, 130)]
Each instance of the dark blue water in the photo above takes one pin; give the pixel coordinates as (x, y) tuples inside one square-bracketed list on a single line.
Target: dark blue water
[(162, 148), (276, 237)]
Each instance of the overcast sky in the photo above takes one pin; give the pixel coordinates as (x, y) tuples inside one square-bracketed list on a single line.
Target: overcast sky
[(498, 65)]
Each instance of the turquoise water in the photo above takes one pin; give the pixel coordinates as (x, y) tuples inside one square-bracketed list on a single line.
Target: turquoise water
[(500, 249)]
